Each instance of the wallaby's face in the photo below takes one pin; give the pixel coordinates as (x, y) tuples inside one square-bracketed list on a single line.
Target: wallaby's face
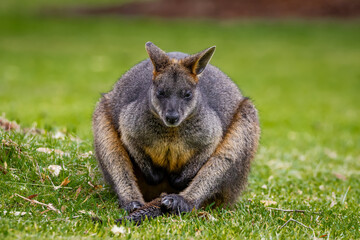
[(174, 93)]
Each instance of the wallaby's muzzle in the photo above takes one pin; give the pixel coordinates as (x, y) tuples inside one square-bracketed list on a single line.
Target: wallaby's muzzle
[(172, 117)]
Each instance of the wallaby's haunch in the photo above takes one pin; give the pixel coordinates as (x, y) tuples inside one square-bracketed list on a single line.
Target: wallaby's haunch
[(176, 124)]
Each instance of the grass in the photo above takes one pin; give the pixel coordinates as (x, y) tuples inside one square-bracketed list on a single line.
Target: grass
[(304, 78), (294, 180)]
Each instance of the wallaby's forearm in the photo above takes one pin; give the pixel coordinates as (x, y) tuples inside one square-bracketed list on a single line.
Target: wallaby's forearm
[(113, 158), (229, 165)]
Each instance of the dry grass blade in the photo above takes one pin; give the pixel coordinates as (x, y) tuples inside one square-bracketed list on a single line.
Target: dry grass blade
[(293, 220), (49, 206), (292, 210)]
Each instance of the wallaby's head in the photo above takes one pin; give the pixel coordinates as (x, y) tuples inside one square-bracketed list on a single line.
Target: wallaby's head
[(174, 94)]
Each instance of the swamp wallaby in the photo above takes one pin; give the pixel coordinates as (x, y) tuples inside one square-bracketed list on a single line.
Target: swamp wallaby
[(176, 124)]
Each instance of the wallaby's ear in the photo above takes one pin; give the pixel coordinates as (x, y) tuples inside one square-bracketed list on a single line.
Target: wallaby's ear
[(197, 62), (157, 56)]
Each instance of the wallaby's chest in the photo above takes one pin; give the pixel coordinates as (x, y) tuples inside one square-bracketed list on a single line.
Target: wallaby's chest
[(169, 150)]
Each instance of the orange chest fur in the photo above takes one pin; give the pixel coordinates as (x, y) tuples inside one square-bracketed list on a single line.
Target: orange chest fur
[(171, 153)]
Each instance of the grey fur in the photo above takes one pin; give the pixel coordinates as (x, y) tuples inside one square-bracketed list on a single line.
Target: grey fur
[(204, 157)]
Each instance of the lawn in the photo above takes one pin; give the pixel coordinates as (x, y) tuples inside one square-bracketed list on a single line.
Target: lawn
[(304, 77)]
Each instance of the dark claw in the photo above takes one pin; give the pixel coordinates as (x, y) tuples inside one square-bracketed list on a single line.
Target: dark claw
[(149, 210), (175, 204), (133, 206)]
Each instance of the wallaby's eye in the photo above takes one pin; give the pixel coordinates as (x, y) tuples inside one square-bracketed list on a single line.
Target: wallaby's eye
[(160, 93), (187, 94)]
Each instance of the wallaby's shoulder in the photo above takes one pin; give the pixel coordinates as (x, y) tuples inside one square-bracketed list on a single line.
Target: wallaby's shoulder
[(220, 93), (133, 83)]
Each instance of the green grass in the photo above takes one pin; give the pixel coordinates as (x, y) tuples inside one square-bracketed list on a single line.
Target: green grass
[(304, 77), (294, 179)]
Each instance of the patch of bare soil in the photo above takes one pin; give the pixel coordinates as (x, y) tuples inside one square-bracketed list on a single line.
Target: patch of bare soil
[(230, 9)]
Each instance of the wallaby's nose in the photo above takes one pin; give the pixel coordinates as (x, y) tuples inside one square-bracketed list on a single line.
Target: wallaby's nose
[(172, 117)]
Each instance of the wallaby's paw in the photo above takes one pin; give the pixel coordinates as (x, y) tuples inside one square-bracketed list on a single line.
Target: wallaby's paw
[(133, 206), (175, 204), (178, 182), (155, 176), (149, 210)]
